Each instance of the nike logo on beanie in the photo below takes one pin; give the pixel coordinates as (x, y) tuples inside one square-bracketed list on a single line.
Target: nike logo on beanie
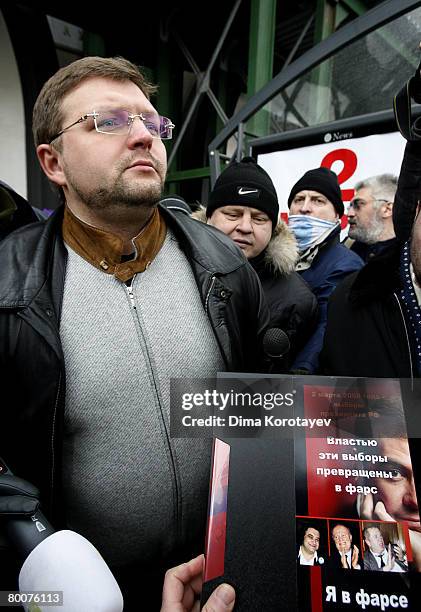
[(246, 191)]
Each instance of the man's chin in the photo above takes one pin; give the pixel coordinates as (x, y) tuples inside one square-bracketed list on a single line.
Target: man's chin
[(354, 235), (144, 197)]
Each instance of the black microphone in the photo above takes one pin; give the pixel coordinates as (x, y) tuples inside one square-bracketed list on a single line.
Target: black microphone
[(26, 525), (276, 346)]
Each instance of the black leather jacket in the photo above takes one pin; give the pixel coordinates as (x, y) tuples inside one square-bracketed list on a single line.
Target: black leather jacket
[(32, 272), (366, 332)]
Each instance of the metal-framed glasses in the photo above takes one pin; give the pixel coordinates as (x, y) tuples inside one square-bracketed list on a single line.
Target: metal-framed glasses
[(119, 122), (358, 203)]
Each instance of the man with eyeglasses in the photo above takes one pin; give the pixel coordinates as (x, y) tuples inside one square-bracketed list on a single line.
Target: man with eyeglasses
[(370, 216), (316, 208), (100, 307), (374, 319), (374, 316)]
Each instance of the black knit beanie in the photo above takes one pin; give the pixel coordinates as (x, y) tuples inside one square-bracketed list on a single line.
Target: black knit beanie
[(325, 182), (245, 183)]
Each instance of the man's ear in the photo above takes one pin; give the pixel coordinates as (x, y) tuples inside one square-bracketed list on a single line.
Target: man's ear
[(50, 161), (387, 210)]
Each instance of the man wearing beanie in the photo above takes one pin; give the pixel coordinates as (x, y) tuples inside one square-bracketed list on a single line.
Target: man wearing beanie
[(316, 208), (244, 205)]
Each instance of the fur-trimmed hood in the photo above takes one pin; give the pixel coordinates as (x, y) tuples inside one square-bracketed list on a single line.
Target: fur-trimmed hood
[(282, 250)]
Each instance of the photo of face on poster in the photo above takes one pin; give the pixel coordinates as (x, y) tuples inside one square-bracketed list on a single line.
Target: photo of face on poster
[(364, 469), (311, 537)]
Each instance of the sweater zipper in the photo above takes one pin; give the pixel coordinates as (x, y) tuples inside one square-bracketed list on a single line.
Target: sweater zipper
[(129, 290), (406, 335)]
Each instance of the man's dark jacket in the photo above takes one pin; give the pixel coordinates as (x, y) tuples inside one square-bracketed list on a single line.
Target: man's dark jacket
[(292, 305), (334, 562), (366, 333), (32, 273), (332, 264), (370, 562), (15, 211), (368, 251)]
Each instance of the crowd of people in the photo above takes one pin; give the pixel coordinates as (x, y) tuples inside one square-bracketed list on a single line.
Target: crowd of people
[(115, 294)]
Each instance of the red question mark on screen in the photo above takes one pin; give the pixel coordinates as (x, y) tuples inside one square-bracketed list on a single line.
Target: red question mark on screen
[(350, 161)]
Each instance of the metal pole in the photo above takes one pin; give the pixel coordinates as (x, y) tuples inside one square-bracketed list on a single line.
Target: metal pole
[(204, 81)]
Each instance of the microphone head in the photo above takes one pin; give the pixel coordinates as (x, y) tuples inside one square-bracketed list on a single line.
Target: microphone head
[(275, 343), (67, 562)]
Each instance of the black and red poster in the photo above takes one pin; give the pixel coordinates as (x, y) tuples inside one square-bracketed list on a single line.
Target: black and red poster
[(321, 518)]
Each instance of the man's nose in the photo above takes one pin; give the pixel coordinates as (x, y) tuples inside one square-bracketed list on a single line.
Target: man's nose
[(306, 206), (139, 134), (410, 497), (244, 224), (350, 212)]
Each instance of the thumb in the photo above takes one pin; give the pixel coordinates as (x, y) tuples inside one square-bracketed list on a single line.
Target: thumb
[(221, 600)]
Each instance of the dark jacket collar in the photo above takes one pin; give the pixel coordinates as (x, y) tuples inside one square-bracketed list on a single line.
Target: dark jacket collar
[(378, 278), (367, 251), (22, 214), (26, 257), (198, 241), (34, 254)]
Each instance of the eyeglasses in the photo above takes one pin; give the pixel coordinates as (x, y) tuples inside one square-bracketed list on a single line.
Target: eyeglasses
[(119, 122), (358, 203)]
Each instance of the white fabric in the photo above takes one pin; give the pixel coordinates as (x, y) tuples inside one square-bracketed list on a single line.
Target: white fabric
[(309, 230), (396, 568), (304, 561)]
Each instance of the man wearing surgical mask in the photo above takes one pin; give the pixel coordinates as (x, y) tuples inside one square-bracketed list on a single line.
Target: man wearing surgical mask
[(316, 208)]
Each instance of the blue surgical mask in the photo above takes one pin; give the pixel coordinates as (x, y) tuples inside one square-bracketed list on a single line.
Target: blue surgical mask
[(308, 230)]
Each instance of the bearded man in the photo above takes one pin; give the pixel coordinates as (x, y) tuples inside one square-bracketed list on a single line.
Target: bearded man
[(370, 216)]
